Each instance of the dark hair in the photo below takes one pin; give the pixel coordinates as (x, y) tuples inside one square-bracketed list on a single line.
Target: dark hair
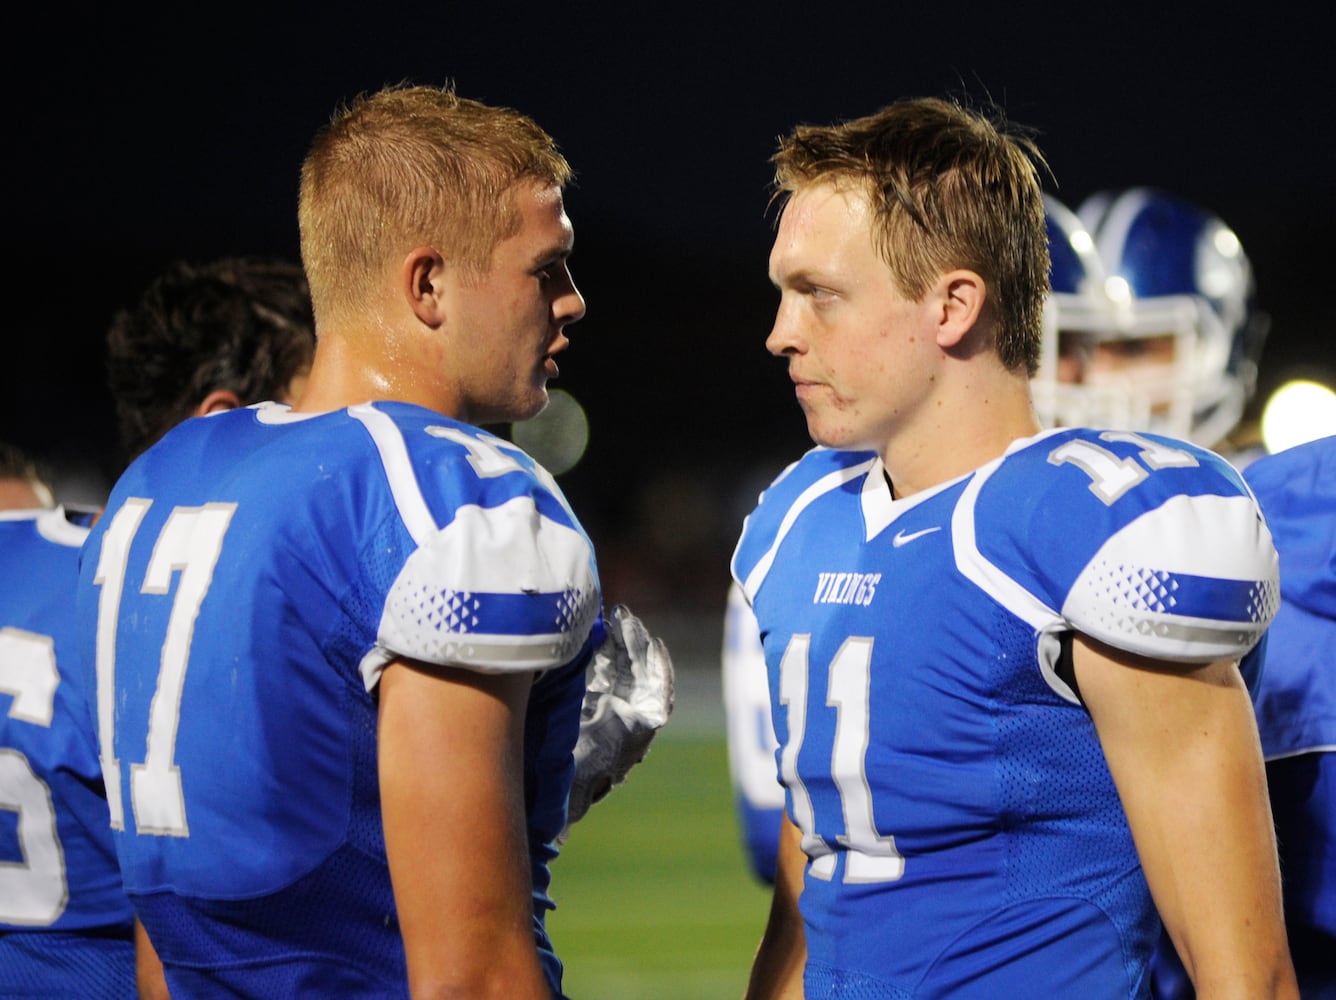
[(240, 324)]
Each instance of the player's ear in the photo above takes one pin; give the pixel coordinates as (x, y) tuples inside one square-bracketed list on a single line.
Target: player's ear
[(219, 399), (422, 281), (959, 296)]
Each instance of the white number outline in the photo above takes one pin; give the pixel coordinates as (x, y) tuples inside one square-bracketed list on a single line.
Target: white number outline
[(35, 891), (1112, 476), (489, 459), (110, 577), (189, 544), (870, 856)]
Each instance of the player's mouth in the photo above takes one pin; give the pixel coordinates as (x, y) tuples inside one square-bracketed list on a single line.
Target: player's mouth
[(803, 388)]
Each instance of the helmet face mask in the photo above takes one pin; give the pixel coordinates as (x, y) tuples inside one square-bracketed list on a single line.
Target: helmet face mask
[(1121, 369), (1148, 331)]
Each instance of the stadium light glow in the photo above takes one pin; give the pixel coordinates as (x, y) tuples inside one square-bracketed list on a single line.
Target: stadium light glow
[(1298, 411), (558, 436)]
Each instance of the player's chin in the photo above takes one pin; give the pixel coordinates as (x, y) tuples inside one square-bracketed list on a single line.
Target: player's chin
[(534, 404), (514, 407), (839, 438)]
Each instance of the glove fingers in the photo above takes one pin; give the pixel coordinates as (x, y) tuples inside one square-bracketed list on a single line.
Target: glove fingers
[(660, 669), (633, 641), (631, 632), (652, 696)]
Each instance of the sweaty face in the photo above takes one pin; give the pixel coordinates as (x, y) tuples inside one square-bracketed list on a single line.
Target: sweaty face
[(507, 323), (859, 352)]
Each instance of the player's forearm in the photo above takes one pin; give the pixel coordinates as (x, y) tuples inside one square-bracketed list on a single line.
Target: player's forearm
[(1228, 924), (1272, 980), (777, 972), (150, 982), (497, 973), (466, 917), (477, 945)]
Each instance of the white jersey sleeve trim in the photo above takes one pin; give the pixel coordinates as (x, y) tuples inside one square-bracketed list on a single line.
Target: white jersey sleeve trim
[(1127, 595), (441, 607), (1124, 595)]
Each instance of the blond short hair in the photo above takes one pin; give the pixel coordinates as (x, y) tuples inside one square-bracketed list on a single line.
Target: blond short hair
[(411, 166)]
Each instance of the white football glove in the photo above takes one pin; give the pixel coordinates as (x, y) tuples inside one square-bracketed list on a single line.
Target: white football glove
[(628, 698)]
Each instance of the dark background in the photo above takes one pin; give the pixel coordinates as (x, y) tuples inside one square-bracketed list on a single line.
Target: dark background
[(137, 137)]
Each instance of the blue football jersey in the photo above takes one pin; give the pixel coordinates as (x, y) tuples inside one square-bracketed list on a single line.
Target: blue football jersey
[(964, 836), (65, 921), (251, 578), (1296, 704), (757, 795)]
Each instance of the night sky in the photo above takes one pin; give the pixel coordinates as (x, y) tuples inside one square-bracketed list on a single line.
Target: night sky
[(143, 137)]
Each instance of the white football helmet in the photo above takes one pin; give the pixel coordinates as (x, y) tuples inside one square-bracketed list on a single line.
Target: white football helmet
[(1077, 312), (1178, 350)]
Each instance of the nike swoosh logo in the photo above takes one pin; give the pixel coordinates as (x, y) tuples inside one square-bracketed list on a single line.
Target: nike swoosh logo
[(902, 539)]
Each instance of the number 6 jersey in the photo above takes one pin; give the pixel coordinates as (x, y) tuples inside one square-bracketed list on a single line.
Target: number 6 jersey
[(65, 922), (252, 575), (964, 835)]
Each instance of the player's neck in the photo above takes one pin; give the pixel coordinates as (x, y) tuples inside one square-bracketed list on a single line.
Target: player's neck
[(348, 370), (953, 440)]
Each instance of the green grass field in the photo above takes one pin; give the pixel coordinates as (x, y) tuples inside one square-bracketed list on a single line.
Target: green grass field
[(654, 898)]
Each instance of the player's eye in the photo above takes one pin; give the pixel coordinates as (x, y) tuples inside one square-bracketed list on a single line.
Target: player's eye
[(552, 271), (1129, 349)]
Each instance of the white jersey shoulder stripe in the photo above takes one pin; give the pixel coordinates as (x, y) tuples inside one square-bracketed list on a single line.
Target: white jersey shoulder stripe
[(1046, 621), (977, 569), (828, 482), (389, 441)]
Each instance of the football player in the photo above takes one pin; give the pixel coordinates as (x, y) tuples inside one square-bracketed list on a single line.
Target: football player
[(1076, 311), (1157, 324), (66, 927), (1006, 665), (1296, 704), (1166, 264), (340, 648), (758, 797), (201, 338)]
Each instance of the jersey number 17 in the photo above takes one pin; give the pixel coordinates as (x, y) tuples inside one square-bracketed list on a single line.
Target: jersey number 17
[(190, 543)]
